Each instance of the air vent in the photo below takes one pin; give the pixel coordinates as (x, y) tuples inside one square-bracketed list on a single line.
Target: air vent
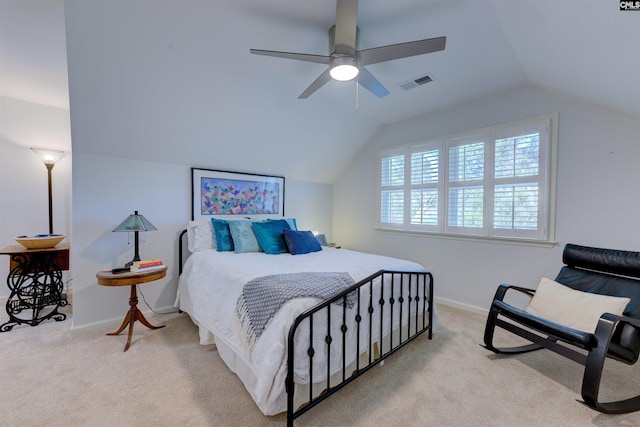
[(418, 81)]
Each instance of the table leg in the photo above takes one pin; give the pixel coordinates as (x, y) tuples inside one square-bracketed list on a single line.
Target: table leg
[(133, 315)]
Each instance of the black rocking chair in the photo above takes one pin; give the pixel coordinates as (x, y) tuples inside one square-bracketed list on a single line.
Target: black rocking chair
[(601, 271)]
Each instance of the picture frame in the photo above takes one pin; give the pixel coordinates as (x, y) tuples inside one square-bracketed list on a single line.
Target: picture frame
[(322, 239), (220, 194)]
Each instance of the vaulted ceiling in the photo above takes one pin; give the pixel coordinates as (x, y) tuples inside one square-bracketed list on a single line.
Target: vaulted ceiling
[(582, 48)]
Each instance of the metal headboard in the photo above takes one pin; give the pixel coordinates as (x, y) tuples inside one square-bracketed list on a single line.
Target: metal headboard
[(180, 251)]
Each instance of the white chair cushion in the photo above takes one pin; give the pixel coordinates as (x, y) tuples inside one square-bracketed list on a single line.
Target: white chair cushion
[(569, 307)]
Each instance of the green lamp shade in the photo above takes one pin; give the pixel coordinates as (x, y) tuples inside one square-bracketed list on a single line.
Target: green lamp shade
[(135, 222)]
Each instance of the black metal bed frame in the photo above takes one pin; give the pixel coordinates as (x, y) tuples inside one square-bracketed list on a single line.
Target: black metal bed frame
[(420, 293), (412, 324)]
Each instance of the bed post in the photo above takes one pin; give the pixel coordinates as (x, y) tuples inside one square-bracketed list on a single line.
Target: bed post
[(180, 249)]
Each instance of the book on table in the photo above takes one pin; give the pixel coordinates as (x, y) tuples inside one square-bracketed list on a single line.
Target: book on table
[(147, 265)]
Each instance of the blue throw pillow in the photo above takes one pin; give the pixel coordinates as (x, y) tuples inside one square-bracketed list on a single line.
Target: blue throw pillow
[(224, 242), (301, 242), (269, 235), (244, 239)]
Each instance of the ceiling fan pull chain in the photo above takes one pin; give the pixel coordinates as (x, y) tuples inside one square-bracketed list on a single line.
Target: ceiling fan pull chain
[(357, 95)]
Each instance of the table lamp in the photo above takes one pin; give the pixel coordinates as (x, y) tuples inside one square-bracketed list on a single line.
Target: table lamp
[(135, 223)]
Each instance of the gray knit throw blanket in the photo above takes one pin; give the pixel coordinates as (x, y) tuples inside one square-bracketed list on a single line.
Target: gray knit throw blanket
[(262, 297)]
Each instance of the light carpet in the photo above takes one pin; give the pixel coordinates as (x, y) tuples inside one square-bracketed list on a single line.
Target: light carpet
[(52, 376)]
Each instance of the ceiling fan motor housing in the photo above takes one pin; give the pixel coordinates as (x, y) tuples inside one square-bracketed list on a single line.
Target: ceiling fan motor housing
[(344, 61)]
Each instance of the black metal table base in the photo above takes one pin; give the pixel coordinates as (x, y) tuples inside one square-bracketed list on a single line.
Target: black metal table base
[(35, 285)]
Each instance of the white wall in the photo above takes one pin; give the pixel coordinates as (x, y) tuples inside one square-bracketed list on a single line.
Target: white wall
[(312, 204), (598, 152), (596, 202), (24, 206), (148, 80), (107, 189), (145, 107)]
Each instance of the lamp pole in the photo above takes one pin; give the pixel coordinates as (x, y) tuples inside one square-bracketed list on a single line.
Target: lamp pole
[(49, 167), (49, 158), (136, 241)]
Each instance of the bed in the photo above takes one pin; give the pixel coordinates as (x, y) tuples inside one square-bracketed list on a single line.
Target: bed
[(311, 346)]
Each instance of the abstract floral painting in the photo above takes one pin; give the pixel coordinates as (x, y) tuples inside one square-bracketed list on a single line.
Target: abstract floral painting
[(235, 197), (232, 193)]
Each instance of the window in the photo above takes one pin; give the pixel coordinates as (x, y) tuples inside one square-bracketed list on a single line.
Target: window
[(494, 183)]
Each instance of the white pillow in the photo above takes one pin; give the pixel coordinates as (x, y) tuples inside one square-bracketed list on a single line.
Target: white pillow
[(569, 307), (200, 235)]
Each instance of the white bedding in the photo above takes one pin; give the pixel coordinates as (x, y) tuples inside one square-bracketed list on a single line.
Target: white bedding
[(211, 283)]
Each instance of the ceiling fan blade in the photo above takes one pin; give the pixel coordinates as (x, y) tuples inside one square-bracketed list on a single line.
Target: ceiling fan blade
[(321, 59), (400, 50), (369, 82), (317, 84), (346, 27)]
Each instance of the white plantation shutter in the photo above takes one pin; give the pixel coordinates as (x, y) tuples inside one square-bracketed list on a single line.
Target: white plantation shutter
[(466, 162), (392, 171), (517, 156), (492, 183), (425, 177), (465, 207), (519, 193), (392, 207), (424, 167), (424, 207), (516, 207), (392, 189)]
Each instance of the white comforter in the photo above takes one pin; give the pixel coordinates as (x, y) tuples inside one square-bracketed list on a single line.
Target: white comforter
[(212, 282)]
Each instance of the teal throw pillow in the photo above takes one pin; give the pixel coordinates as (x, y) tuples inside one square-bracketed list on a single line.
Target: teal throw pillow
[(224, 242), (291, 221), (269, 235), (244, 239)]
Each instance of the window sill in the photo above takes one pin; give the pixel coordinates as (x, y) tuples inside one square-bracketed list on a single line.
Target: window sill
[(498, 240)]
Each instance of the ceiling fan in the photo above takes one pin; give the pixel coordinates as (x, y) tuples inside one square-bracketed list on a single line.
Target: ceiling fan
[(345, 62)]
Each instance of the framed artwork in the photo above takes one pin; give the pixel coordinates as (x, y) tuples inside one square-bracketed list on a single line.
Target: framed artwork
[(217, 193), (322, 239)]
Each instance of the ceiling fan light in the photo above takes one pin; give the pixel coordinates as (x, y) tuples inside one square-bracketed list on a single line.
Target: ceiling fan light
[(344, 68), (344, 72)]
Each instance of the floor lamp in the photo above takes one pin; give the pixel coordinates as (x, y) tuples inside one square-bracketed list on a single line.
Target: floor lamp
[(49, 158)]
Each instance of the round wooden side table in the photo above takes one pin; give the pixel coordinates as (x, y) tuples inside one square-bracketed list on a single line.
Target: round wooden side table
[(107, 278)]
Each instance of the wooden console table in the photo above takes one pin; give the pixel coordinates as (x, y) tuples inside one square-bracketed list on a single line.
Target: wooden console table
[(107, 278), (35, 282)]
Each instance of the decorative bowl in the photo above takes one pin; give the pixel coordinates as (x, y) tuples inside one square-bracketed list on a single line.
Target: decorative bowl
[(40, 241)]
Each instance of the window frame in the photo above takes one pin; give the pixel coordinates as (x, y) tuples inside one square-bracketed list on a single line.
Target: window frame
[(545, 181)]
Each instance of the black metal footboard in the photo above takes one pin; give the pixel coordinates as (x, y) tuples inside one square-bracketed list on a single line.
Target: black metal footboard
[(354, 331)]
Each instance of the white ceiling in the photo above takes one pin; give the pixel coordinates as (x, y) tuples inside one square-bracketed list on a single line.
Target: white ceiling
[(583, 48)]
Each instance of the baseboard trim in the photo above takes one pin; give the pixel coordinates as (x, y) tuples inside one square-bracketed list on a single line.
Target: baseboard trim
[(461, 305), (117, 321)]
